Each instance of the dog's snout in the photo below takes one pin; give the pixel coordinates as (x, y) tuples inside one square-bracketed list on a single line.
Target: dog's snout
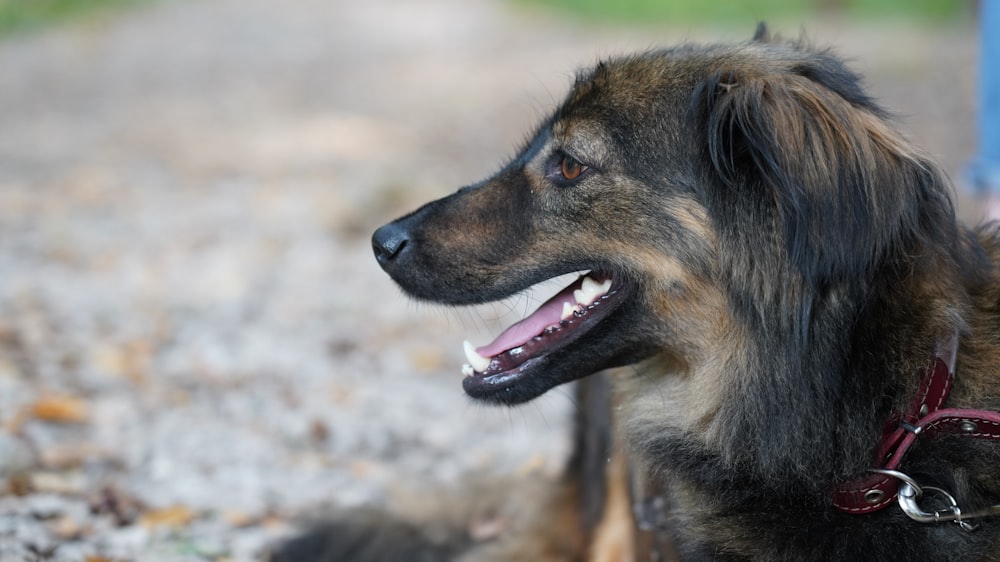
[(389, 241)]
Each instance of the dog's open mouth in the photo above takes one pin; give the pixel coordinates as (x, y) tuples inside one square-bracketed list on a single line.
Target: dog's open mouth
[(557, 323)]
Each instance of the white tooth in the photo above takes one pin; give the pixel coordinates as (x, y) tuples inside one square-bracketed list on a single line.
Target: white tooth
[(593, 287), (589, 290), (476, 361), (568, 310), (605, 286), (467, 370)]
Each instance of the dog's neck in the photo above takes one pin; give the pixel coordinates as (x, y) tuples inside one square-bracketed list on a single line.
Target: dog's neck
[(876, 488), (809, 412)]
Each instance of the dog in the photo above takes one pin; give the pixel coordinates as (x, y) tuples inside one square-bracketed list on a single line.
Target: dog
[(786, 346)]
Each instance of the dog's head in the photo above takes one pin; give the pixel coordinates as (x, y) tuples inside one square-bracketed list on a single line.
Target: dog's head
[(707, 196)]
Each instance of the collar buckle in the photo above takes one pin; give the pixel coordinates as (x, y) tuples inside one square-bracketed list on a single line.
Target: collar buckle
[(872, 492), (910, 493)]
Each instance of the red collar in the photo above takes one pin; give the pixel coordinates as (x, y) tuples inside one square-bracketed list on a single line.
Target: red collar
[(874, 491)]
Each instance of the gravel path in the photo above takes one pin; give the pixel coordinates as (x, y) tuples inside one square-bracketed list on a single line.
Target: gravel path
[(197, 351)]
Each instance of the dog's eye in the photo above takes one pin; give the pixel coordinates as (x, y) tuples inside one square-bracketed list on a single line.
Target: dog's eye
[(570, 168)]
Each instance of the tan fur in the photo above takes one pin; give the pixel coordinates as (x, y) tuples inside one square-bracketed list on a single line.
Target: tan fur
[(614, 536), (784, 265)]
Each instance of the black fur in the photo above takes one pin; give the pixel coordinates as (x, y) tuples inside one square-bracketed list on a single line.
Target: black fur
[(845, 220), (369, 536), (784, 265)]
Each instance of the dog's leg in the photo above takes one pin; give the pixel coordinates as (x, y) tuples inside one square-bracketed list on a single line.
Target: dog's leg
[(584, 514), (613, 537), (587, 516)]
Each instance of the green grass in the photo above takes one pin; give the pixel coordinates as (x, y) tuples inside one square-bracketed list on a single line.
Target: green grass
[(26, 15), (731, 11)]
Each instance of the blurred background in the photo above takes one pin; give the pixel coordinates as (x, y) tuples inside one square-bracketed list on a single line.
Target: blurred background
[(197, 350)]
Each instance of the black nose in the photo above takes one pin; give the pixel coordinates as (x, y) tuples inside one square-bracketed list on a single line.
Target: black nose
[(389, 241)]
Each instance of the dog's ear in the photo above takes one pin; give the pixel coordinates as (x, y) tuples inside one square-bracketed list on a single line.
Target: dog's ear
[(762, 34), (802, 150)]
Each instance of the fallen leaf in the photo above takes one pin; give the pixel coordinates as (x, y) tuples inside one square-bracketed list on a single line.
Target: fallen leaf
[(273, 523), (123, 507), (60, 409), (130, 360), (363, 468), (318, 431), (66, 528), (483, 528), (65, 456), (427, 359), (174, 517), (19, 484), (57, 482), (533, 465), (14, 424), (239, 518)]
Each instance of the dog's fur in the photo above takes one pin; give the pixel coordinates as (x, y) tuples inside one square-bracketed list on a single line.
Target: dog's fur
[(785, 264)]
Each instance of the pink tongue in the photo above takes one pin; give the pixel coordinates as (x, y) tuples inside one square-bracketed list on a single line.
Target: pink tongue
[(549, 314)]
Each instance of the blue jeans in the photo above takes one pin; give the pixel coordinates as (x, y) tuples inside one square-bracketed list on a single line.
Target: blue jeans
[(985, 169)]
